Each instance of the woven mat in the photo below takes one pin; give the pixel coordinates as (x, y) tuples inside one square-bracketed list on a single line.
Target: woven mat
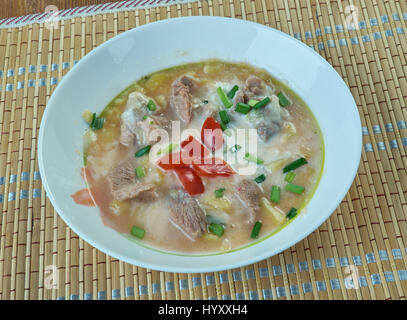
[(364, 240)]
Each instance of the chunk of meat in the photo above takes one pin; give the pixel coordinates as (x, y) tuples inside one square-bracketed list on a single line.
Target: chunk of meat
[(240, 97), (136, 110), (180, 99), (268, 120), (144, 192), (186, 214), (127, 138), (266, 131), (136, 107), (124, 186), (121, 175), (254, 88), (249, 193)]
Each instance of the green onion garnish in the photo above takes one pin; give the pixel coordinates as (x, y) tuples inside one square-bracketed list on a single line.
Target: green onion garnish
[(142, 151), (168, 149), (96, 123), (223, 126), (212, 219), (223, 97), (224, 117), (252, 158), (216, 229), (253, 102), (284, 102), (275, 194), (256, 230), (242, 108), (235, 148), (219, 192), (137, 232), (145, 117), (289, 177), (294, 188), (260, 178), (140, 173), (100, 122), (295, 164), (93, 120), (151, 105), (292, 213), (262, 103), (232, 92)]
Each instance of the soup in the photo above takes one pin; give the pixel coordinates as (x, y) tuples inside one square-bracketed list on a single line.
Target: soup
[(202, 158)]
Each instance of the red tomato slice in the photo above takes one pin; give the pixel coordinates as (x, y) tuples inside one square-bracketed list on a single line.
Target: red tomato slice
[(83, 197), (172, 161), (193, 149), (213, 168), (191, 182), (211, 134)]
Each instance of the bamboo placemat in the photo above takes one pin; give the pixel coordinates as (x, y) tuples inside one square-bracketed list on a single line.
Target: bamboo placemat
[(365, 239)]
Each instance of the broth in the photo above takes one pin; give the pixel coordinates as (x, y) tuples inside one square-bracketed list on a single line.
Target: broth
[(294, 134)]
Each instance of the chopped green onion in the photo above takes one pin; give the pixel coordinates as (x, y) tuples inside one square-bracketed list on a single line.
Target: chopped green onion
[(223, 97), (99, 123), (137, 232), (216, 229), (213, 219), (262, 103), (151, 105), (96, 123), (275, 194), (224, 117), (219, 192), (256, 229), (260, 178), (232, 92), (253, 102), (145, 117), (223, 126), (295, 164), (294, 188), (168, 149), (93, 119), (242, 108), (252, 158), (140, 173), (205, 102), (142, 151), (284, 102), (292, 213), (290, 176), (235, 148)]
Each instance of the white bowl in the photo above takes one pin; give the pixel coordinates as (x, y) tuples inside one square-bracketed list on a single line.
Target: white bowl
[(114, 65)]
